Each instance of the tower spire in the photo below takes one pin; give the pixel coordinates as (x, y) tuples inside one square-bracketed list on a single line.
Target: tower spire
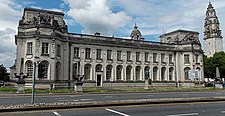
[(212, 32)]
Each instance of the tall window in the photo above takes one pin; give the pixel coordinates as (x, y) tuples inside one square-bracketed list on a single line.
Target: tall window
[(87, 72), (186, 59), (29, 48), (57, 71), (29, 69), (196, 58), (58, 50), (155, 57), (119, 55), (137, 56), (146, 57), (99, 54), (163, 58), (44, 66), (155, 73), (76, 67), (186, 70), (109, 54), (128, 55), (128, 73), (170, 58), (45, 48), (76, 52), (87, 53), (108, 72), (119, 72)]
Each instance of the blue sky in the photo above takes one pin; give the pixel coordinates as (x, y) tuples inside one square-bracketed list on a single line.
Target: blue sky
[(110, 18)]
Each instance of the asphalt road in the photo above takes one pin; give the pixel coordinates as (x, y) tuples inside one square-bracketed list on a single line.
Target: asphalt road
[(14, 100), (197, 109)]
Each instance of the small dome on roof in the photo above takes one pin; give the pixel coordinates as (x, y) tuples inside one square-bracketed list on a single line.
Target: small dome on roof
[(135, 34)]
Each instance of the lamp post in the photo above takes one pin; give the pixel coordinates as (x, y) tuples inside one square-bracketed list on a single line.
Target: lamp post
[(33, 80)]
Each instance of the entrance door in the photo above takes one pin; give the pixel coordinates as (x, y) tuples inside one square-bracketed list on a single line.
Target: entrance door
[(99, 80)]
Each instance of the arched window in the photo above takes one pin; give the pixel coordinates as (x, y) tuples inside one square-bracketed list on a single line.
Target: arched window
[(138, 73), (128, 73), (163, 74), (147, 72), (87, 71), (171, 73), (119, 72), (186, 70), (57, 71), (98, 68), (44, 69), (155, 73), (108, 72), (29, 67)]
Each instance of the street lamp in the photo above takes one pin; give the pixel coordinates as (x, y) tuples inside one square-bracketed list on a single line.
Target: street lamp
[(33, 80)]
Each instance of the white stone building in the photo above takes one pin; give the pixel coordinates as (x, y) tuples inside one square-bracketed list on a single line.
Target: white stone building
[(43, 37)]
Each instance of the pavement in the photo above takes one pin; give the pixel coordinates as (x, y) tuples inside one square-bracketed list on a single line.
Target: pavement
[(85, 104)]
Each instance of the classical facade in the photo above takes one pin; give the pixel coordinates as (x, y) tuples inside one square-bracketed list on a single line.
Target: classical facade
[(212, 33), (62, 56)]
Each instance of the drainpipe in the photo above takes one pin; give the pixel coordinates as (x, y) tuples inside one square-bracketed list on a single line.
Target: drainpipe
[(69, 66)]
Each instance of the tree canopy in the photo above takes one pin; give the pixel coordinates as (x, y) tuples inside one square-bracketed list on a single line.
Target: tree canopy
[(3, 73), (210, 64)]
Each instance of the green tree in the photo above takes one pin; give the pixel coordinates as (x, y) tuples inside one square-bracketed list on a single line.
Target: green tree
[(210, 64), (3, 73)]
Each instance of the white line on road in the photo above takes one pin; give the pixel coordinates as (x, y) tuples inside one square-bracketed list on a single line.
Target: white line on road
[(56, 113), (222, 111), (120, 113), (190, 114), (86, 99)]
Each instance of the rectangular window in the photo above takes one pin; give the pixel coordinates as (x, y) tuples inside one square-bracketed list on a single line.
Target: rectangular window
[(186, 59), (45, 48), (119, 55), (146, 57), (155, 57), (76, 52), (196, 58), (58, 50), (109, 54), (87, 53), (29, 48), (138, 56), (170, 58), (163, 58), (99, 54), (128, 55)]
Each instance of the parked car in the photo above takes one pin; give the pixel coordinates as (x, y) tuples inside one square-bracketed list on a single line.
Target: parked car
[(1, 83)]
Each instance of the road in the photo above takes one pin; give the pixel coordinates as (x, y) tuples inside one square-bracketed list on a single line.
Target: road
[(14, 100), (193, 109)]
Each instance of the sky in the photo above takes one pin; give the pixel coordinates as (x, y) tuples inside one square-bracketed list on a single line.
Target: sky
[(110, 18)]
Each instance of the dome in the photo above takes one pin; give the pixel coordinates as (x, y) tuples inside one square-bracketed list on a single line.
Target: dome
[(135, 34)]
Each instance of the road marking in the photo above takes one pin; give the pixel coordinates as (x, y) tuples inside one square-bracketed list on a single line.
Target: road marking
[(86, 99), (120, 113), (190, 114), (185, 94), (56, 113), (222, 111), (68, 100)]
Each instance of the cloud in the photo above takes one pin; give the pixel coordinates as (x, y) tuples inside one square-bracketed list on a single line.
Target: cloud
[(96, 16), (9, 18), (8, 47)]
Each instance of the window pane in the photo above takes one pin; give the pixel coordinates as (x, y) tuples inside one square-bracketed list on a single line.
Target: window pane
[(87, 53), (29, 48)]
